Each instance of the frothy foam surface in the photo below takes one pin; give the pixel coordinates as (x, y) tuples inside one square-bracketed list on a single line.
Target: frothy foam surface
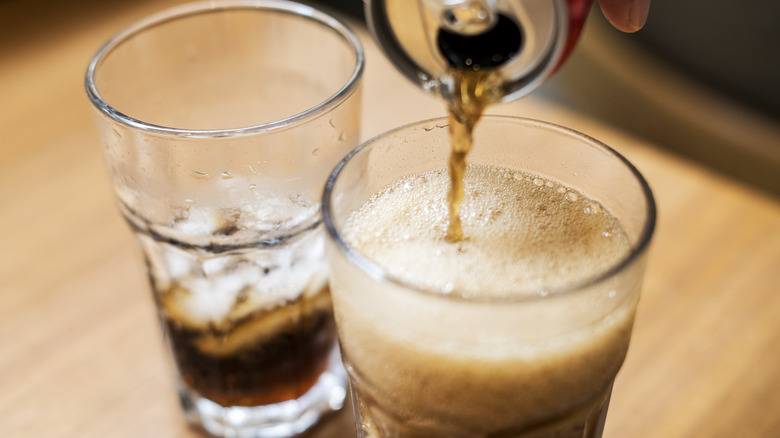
[(522, 233), (447, 367)]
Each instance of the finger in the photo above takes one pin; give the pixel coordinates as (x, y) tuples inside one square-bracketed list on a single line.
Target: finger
[(626, 15)]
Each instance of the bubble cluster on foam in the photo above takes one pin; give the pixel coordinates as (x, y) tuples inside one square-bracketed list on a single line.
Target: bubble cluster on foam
[(521, 232)]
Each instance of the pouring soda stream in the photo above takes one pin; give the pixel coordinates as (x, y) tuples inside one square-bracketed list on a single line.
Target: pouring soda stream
[(473, 53)]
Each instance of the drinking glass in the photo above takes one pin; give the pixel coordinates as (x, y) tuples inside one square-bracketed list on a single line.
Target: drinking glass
[(424, 362), (219, 122)]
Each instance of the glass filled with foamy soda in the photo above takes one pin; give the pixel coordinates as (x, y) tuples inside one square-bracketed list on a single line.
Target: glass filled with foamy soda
[(519, 328)]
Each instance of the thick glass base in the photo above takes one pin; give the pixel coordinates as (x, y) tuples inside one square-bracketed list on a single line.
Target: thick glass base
[(373, 419), (278, 420)]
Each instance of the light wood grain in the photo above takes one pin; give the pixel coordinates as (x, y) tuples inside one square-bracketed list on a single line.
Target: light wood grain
[(80, 353)]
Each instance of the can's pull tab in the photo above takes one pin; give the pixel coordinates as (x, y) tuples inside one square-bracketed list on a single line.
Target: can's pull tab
[(468, 17)]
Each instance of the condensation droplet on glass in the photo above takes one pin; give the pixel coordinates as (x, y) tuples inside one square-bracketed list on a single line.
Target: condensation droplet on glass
[(252, 186), (571, 196), (549, 184), (607, 234), (448, 288), (315, 152), (561, 189), (612, 293), (342, 136), (330, 122), (189, 201), (198, 174), (519, 176), (226, 175), (544, 293), (538, 182)]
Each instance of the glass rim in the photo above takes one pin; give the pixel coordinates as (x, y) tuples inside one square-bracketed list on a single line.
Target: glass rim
[(204, 7), (377, 272)]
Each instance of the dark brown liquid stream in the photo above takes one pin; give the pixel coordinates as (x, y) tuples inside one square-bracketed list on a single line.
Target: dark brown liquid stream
[(473, 91)]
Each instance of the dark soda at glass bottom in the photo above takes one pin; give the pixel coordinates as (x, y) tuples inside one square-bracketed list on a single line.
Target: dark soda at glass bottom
[(279, 364)]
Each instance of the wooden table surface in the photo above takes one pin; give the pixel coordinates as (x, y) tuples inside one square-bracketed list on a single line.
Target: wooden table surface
[(80, 352)]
